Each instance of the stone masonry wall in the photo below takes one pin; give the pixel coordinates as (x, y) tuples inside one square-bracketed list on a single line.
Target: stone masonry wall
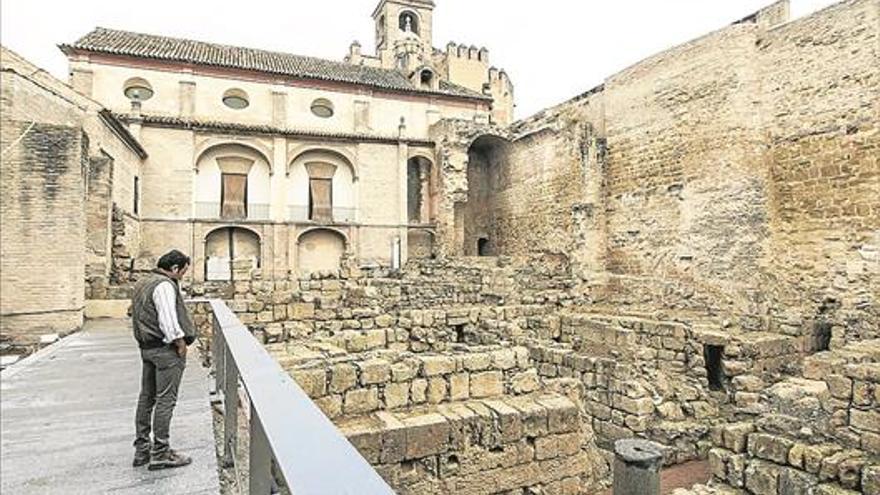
[(43, 227), (732, 178), (820, 93)]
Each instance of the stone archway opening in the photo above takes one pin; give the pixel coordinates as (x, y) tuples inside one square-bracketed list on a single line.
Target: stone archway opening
[(320, 250), (486, 176), (231, 253)]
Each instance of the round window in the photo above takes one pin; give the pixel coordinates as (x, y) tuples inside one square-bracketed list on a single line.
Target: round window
[(322, 108), (235, 99), (137, 89)]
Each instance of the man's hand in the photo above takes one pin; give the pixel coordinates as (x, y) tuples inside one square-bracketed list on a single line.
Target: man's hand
[(181, 348)]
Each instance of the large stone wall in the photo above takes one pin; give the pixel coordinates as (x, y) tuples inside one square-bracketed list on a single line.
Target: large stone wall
[(819, 100), (734, 177), (43, 222), (61, 155)]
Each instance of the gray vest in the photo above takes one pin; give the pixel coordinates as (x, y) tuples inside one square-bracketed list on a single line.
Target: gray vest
[(145, 317)]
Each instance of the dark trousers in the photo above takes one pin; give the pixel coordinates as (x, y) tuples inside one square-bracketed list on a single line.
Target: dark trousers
[(160, 379)]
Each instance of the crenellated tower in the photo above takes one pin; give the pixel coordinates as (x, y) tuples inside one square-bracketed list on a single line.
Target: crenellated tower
[(404, 42)]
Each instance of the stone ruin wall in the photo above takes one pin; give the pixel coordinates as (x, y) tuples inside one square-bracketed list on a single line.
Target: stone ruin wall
[(42, 214), (731, 178)]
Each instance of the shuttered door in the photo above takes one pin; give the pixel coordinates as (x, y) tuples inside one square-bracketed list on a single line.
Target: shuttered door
[(234, 196), (321, 196)]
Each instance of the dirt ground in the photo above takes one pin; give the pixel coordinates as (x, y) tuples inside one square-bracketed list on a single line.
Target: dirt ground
[(682, 476)]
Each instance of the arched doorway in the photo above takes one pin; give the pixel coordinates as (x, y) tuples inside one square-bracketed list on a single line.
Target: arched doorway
[(486, 175), (231, 253), (319, 250), (420, 244)]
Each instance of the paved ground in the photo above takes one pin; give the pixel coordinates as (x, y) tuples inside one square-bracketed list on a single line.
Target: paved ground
[(67, 419)]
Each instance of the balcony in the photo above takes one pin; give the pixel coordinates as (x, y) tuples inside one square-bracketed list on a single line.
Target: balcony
[(299, 213), (212, 211)]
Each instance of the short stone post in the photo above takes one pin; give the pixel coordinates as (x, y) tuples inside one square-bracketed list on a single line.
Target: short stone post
[(637, 467)]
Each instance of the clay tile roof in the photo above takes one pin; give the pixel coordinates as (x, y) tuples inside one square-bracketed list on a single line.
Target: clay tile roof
[(115, 42)]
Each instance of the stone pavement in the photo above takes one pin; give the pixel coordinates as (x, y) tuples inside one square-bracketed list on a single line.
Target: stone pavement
[(67, 416)]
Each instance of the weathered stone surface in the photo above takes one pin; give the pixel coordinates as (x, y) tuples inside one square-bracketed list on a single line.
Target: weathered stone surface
[(486, 384)]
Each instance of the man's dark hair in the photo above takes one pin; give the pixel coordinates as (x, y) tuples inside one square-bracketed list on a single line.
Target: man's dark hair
[(173, 258)]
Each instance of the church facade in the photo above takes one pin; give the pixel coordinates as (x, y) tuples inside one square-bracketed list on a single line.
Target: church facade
[(283, 165)]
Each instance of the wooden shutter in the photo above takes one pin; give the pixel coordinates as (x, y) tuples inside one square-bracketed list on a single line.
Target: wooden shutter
[(234, 196), (321, 200)]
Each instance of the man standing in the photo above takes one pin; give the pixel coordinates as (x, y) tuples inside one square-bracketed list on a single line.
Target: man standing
[(163, 330)]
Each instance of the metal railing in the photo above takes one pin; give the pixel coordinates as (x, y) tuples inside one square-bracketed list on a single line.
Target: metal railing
[(291, 440), (300, 213), (213, 211)]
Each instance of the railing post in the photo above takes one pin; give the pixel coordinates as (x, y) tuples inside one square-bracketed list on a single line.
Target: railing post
[(230, 408), (260, 467), (217, 355), (637, 465)]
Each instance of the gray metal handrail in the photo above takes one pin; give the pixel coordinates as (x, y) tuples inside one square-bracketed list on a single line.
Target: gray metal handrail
[(287, 429)]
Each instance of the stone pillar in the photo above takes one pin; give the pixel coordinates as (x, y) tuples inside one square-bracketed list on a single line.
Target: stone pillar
[(637, 465), (187, 99), (425, 191)]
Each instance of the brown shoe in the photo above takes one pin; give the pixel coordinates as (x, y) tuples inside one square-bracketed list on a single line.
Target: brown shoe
[(141, 458), (167, 460)]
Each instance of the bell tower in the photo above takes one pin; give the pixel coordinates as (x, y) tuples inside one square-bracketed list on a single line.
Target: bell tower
[(408, 22)]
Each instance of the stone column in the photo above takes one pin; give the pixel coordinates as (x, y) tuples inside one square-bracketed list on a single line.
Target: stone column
[(637, 465), (425, 191)]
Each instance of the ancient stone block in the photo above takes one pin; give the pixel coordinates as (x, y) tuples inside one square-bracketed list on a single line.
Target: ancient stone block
[(477, 361), (871, 480), (504, 359), (486, 384), (343, 376), (396, 395), (374, 371), (633, 406), (418, 390), (795, 482), (762, 478), (770, 447), (546, 447), (718, 463), (815, 454), (459, 386), (312, 381), (525, 382), (437, 365), (361, 401), (865, 420), (437, 388), (839, 386), (426, 435), (301, 311), (404, 371)]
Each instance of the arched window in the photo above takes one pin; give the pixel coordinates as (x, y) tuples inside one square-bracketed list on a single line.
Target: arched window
[(231, 253), (427, 78), (232, 182), (322, 188), (409, 22)]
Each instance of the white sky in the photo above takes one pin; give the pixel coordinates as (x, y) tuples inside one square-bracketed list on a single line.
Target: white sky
[(552, 49)]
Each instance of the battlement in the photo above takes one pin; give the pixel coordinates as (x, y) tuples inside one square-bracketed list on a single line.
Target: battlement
[(467, 52)]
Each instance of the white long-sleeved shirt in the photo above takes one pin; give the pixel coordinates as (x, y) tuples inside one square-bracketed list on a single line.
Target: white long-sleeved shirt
[(165, 299)]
